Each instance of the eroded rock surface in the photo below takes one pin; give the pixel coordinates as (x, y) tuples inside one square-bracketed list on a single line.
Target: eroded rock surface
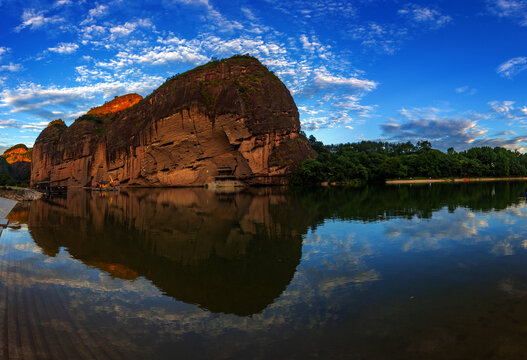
[(119, 103), (17, 153), (16, 162), (232, 113)]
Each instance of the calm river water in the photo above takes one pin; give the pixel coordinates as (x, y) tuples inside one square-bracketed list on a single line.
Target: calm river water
[(410, 272)]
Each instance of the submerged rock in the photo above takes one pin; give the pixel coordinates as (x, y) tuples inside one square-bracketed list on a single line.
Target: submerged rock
[(233, 112)]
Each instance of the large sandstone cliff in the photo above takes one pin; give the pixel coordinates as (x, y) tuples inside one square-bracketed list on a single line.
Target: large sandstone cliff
[(232, 113)]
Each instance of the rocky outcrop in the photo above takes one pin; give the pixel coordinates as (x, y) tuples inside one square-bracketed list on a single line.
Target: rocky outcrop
[(119, 103), (16, 164), (233, 112), (17, 153), (20, 194)]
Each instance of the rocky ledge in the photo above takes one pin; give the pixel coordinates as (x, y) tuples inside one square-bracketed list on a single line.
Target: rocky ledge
[(20, 194), (231, 113)]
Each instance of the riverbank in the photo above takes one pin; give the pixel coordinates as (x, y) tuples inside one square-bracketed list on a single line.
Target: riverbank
[(20, 194), (428, 181)]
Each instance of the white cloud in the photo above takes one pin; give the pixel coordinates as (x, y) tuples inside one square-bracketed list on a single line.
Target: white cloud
[(38, 126), (424, 15), (64, 48), (341, 111), (248, 13), (467, 90), (324, 78), (45, 101), (98, 11), (426, 113), (459, 133), (306, 44), (11, 67), (129, 27), (508, 110), (159, 55), (90, 32), (320, 10), (514, 9), (3, 50), (503, 107), (216, 20), (351, 102), (512, 67), (194, 2), (36, 19), (381, 38), (253, 45), (62, 2), (222, 24), (197, 51), (314, 46), (11, 123)]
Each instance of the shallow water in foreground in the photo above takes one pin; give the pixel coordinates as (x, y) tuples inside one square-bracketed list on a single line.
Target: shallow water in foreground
[(376, 273)]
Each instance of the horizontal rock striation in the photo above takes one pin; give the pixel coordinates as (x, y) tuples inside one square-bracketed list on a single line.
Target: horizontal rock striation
[(233, 112)]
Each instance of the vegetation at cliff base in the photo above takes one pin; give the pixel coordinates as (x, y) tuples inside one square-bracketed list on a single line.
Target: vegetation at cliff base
[(5, 177), (375, 161)]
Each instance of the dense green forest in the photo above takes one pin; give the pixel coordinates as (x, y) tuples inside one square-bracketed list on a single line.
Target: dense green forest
[(5, 173), (375, 161), (16, 174)]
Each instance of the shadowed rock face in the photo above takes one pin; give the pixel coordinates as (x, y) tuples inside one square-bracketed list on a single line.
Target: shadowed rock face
[(226, 253), (232, 112)]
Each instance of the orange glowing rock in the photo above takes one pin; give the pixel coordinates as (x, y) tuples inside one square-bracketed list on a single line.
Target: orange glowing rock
[(17, 153), (119, 103)]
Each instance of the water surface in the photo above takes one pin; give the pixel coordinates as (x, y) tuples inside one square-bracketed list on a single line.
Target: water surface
[(404, 272)]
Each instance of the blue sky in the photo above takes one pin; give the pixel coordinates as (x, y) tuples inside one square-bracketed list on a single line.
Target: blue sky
[(452, 72)]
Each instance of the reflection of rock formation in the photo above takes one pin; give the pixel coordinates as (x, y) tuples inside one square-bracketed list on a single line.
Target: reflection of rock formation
[(231, 254)]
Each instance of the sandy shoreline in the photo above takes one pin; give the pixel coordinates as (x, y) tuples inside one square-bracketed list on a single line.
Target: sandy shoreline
[(428, 181)]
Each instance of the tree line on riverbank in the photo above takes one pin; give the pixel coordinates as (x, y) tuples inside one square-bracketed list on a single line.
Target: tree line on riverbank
[(376, 161)]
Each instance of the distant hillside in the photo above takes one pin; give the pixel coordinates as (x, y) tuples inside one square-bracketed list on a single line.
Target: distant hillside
[(18, 153), (15, 165)]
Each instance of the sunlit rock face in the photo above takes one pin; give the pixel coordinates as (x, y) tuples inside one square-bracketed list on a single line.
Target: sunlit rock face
[(233, 112), (227, 253), (119, 103), (17, 153), (19, 159)]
